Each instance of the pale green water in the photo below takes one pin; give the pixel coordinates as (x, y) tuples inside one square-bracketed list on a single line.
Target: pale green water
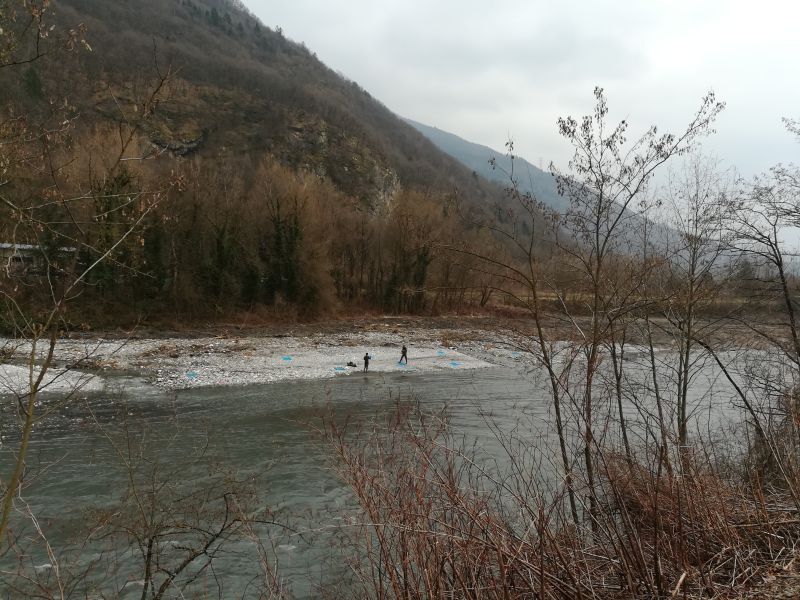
[(262, 429)]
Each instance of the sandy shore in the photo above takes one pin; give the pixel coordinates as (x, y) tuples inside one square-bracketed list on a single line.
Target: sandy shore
[(177, 363)]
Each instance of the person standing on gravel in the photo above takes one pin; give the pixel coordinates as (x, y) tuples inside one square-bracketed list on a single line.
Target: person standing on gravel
[(403, 355), (366, 362)]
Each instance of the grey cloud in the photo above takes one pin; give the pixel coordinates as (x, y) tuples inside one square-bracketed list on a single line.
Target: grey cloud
[(484, 71)]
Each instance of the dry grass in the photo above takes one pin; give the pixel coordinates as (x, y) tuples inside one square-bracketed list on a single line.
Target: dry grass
[(435, 524)]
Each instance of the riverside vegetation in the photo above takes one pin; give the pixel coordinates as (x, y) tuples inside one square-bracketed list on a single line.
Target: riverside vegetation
[(122, 222)]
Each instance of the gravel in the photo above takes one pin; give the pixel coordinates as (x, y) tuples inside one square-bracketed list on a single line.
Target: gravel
[(178, 363)]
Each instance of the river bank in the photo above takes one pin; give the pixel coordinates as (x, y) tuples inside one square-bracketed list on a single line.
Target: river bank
[(240, 358), (231, 354)]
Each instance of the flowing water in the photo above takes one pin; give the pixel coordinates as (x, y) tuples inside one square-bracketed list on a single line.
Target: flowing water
[(266, 430)]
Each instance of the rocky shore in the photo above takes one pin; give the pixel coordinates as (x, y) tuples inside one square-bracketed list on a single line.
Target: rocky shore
[(230, 359)]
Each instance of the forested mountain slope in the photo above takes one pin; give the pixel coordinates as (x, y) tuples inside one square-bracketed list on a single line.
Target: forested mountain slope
[(203, 163), (244, 88)]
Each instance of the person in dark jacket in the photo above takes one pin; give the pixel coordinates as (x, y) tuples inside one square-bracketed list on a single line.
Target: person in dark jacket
[(403, 355), (366, 362)]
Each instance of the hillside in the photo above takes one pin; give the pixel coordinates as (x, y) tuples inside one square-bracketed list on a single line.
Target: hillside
[(242, 89), (530, 179), (253, 174), (478, 158)]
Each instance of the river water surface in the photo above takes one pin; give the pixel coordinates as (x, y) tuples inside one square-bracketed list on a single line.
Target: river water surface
[(264, 429), (259, 429)]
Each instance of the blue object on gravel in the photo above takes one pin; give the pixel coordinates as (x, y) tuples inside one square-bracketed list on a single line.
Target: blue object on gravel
[(192, 375), (454, 363), (338, 368), (286, 358)]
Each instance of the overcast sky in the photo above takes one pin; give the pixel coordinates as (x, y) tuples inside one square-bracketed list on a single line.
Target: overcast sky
[(487, 71)]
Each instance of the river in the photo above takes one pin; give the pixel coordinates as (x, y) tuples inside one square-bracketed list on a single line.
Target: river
[(77, 459)]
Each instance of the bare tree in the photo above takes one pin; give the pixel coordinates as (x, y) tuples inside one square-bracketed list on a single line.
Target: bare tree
[(698, 202), (50, 218), (607, 177), (765, 213)]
